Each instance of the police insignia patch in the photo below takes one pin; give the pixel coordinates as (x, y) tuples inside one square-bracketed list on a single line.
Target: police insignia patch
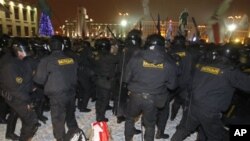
[(19, 80), (181, 54), (246, 70), (66, 61), (151, 65), (212, 70)]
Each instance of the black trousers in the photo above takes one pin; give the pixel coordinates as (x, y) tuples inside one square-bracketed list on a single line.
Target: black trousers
[(102, 101), (120, 102), (140, 104), (38, 100), (85, 92), (209, 121), (4, 109), (180, 98), (28, 118), (162, 117), (11, 122), (62, 110)]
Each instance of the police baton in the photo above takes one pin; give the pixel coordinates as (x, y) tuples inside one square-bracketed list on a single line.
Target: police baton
[(121, 79), (113, 35), (196, 28), (122, 71)]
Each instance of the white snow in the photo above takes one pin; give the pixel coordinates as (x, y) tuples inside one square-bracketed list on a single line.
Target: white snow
[(84, 120)]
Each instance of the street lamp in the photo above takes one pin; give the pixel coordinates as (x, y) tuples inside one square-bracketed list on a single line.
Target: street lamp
[(231, 27), (123, 14), (124, 23)]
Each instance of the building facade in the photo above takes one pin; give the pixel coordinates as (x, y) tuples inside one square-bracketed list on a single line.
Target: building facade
[(18, 18)]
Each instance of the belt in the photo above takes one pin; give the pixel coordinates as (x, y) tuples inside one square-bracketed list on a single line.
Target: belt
[(105, 77), (143, 95)]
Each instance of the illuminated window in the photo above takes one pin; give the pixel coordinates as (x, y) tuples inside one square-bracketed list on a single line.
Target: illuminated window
[(9, 30), (7, 14), (16, 11), (33, 30), (26, 31), (25, 14), (32, 15), (18, 30)]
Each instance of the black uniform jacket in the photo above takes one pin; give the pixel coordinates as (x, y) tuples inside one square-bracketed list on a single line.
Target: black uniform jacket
[(57, 72), (213, 86), (16, 79), (150, 72)]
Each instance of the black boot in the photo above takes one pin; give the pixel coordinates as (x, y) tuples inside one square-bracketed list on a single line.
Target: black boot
[(120, 119), (102, 119), (3, 121), (137, 131), (11, 126), (109, 107), (161, 135), (86, 110), (39, 111), (80, 103), (175, 108), (13, 137)]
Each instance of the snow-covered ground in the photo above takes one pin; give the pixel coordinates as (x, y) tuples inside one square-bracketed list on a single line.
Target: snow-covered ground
[(84, 120)]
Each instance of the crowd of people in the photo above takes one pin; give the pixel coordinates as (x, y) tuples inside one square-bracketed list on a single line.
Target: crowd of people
[(141, 76)]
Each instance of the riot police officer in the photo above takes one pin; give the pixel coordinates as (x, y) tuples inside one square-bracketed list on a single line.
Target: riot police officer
[(67, 48), (85, 75), (17, 76), (149, 75), (58, 73), (213, 85), (38, 98), (105, 66), (185, 64), (132, 44)]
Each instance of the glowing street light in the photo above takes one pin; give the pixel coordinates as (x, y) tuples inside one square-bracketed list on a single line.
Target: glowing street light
[(124, 23), (123, 14), (231, 27)]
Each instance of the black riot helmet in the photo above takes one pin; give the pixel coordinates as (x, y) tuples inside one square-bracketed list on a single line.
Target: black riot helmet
[(230, 52), (103, 45), (134, 38), (155, 40), (39, 47), (212, 53), (66, 42), (56, 43), (179, 40), (19, 44)]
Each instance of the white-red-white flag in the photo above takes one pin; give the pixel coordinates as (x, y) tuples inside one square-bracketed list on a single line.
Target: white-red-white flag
[(216, 24)]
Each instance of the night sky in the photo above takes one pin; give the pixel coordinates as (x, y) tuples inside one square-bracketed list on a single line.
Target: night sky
[(106, 11)]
